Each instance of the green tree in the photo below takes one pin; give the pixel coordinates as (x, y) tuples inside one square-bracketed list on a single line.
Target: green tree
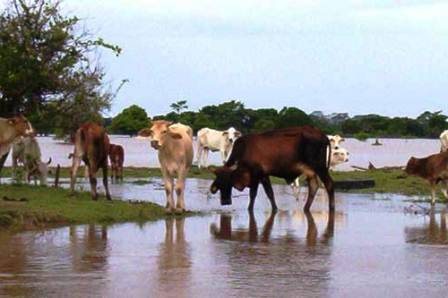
[(46, 60), (179, 106), (290, 116), (130, 120)]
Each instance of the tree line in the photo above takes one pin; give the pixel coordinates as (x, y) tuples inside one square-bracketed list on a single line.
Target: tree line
[(234, 113)]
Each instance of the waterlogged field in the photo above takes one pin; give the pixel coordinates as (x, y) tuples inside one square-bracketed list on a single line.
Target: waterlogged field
[(393, 152), (382, 245)]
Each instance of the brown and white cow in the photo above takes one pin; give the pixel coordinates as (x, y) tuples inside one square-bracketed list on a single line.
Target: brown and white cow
[(175, 145), (92, 147), (215, 140), (116, 157), (10, 130), (284, 153), (433, 169)]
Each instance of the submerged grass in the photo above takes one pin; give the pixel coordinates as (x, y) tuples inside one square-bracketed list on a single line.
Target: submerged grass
[(23, 206)]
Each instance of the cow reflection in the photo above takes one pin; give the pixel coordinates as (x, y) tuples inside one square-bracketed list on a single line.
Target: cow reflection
[(251, 234), (433, 232), (88, 245), (174, 261)]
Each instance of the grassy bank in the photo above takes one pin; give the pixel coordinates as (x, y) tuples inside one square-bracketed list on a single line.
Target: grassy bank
[(26, 206), (386, 181)]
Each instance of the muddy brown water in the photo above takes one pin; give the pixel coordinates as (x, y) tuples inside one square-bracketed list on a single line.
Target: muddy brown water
[(372, 246)]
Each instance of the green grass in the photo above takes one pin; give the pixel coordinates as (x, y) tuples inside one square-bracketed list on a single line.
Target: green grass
[(23, 206)]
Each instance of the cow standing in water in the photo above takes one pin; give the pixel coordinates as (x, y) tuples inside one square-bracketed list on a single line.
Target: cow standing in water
[(92, 147), (284, 153), (175, 145), (116, 156), (433, 169)]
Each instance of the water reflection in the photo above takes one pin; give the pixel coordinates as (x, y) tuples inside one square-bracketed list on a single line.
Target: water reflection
[(174, 260), (433, 232)]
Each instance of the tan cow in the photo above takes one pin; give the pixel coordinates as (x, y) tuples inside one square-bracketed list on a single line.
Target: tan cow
[(10, 130), (175, 145), (92, 147)]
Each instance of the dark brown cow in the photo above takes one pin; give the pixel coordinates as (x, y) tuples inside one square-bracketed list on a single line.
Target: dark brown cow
[(433, 168), (285, 153), (116, 157), (92, 147)]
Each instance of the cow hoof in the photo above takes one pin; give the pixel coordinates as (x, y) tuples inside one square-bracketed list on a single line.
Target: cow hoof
[(168, 210), (179, 211)]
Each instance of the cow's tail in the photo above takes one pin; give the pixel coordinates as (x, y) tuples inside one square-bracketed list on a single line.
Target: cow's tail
[(328, 156)]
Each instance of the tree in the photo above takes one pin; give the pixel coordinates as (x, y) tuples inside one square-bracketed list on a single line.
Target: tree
[(179, 106), (130, 120), (290, 116), (46, 63)]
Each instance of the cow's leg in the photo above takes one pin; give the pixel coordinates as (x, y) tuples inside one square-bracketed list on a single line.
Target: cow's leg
[(269, 192), (433, 192), (252, 195), (180, 192), (445, 189), (205, 157), (105, 183), (199, 155), (329, 186), (76, 161), (313, 186), (169, 185), (296, 188), (2, 161), (92, 179), (223, 155)]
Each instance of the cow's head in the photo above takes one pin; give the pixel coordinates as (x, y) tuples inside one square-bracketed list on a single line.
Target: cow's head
[(41, 170), (413, 166), (158, 132), (228, 177), (21, 125), (232, 134), (335, 141), (339, 156)]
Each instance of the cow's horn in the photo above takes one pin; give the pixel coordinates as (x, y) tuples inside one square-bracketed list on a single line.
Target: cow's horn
[(49, 161)]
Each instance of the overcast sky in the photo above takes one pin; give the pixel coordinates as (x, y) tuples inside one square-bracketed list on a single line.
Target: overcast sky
[(386, 57)]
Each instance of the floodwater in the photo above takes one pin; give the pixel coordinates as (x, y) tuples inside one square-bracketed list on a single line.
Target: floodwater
[(393, 152), (372, 246)]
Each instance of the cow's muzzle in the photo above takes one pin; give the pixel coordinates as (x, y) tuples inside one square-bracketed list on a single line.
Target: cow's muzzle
[(155, 144)]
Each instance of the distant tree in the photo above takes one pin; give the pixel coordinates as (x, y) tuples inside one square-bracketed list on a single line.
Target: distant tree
[(290, 116), (130, 121), (179, 106), (434, 123)]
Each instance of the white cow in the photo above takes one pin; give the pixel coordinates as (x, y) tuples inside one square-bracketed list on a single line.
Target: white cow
[(27, 151), (174, 143), (338, 156), (444, 141), (215, 140), (10, 130)]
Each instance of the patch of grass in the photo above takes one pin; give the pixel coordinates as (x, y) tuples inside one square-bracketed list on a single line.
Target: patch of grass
[(23, 206)]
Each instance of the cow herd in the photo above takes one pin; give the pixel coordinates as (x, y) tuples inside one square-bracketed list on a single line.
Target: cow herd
[(248, 160)]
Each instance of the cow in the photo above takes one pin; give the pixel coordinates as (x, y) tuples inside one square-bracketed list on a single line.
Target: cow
[(91, 146), (444, 141), (116, 157), (335, 141), (10, 130), (284, 153), (433, 168), (26, 150), (174, 143), (215, 140)]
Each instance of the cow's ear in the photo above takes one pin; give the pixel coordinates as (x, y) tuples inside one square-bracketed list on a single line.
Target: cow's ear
[(175, 135), (238, 133), (241, 179), (12, 121), (145, 132), (224, 133)]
